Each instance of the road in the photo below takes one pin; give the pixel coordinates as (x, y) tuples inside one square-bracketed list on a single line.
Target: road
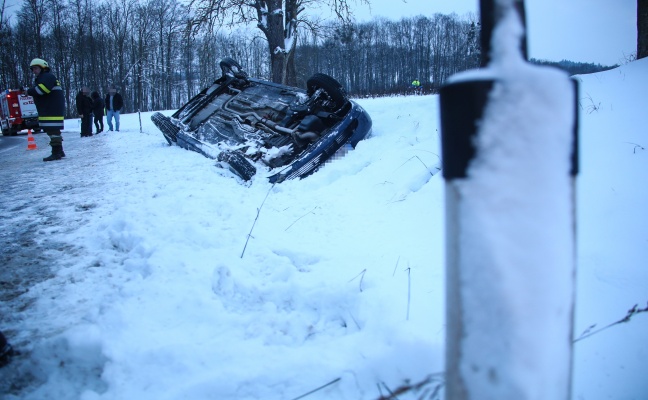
[(22, 259), (10, 144), (41, 203)]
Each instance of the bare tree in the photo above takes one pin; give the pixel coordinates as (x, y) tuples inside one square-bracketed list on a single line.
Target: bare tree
[(82, 61), (642, 29), (64, 48), (5, 59), (161, 55), (119, 17), (279, 21), (170, 17), (2, 14), (34, 12)]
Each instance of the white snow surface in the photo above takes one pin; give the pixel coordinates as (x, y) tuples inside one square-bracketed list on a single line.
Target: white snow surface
[(177, 281)]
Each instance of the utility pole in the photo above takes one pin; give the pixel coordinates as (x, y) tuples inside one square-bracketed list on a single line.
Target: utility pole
[(510, 158)]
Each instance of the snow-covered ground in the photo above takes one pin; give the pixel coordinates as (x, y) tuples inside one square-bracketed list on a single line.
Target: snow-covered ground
[(172, 280)]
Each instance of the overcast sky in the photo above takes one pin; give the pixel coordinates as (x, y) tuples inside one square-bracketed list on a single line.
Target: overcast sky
[(597, 31)]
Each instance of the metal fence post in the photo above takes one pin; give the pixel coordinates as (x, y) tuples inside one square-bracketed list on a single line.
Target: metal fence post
[(462, 107)]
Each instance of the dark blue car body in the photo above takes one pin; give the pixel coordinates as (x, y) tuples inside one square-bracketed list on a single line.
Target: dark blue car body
[(249, 124)]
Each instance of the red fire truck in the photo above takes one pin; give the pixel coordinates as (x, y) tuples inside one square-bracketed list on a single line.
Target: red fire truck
[(17, 112)]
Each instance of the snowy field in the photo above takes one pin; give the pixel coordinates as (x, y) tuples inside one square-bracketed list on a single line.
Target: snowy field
[(172, 280)]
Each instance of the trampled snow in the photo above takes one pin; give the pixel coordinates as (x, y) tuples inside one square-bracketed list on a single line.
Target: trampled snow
[(172, 280)]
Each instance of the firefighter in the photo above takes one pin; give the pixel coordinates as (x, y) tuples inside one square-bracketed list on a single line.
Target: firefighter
[(416, 84), (50, 103)]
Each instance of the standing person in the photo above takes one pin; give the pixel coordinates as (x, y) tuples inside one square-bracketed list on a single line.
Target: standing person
[(50, 104), (84, 109), (114, 103), (98, 111), (416, 84)]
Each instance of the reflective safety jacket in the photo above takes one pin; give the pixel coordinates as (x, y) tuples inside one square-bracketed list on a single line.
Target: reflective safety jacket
[(49, 99)]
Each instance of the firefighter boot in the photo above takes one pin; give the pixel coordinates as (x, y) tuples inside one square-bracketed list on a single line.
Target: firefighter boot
[(56, 153), (62, 153)]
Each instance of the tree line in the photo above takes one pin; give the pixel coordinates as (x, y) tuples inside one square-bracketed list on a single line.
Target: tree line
[(152, 51), (149, 50)]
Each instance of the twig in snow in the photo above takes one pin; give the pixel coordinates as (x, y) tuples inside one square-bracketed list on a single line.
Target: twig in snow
[(631, 312), (297, 220), (593, 106), (354, 320), (399, 200), (396, 266), (315, 390), (255, 220), (391, 394), (587, 331), (432, 382), (426, 167), (409, 291), (361, 274), (385, 183), (634, 151)]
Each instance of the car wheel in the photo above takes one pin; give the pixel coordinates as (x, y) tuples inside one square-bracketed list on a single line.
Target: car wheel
[(169, 130), (333, 90), (238, 164)]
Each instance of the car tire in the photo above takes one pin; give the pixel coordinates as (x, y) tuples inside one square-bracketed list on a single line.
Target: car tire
[(169, 130), (238, 164), (335, 93), (230, 66)]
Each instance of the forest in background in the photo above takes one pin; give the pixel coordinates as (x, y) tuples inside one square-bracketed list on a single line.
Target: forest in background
[(149, 51)]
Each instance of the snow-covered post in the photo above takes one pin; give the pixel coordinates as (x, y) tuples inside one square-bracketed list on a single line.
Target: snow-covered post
[(509, 145)]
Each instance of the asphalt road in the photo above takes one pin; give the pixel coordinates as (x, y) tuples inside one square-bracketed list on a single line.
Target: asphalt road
[(22, 260), (10, 144), (40, 204)]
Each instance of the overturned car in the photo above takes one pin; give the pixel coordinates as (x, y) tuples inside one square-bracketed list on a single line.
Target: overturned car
[(246, 124)]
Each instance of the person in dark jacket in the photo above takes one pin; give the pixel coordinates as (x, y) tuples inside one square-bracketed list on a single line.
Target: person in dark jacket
[(84, 109), (97, 111), (50, 104), (114, 103)]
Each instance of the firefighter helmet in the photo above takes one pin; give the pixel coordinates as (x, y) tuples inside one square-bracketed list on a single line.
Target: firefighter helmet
[(37, 62)]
